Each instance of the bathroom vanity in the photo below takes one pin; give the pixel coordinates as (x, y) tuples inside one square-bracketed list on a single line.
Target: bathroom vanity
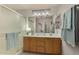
[(41, 36), (42, 44)]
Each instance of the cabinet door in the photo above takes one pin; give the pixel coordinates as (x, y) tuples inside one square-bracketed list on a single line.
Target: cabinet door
[(53, 46), (41, 42), (49, 46), (57, 46), (33, 45), (40, 47), (26, 44)]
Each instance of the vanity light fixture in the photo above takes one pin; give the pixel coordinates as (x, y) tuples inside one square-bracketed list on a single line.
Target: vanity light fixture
[(42, 12), (39, 14), (47, 13), (35, 14)]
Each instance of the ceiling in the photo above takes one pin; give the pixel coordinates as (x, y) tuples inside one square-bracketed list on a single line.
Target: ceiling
[(25, 9), (31, 6)]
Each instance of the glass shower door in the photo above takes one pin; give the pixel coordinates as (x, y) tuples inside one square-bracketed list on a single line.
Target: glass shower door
[(12, 40)]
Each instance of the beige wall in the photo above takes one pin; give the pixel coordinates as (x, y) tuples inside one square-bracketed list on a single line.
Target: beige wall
[(10, 22)]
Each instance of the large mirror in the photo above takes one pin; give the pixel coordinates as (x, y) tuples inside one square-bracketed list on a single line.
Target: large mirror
[(31, 24), (45, 24), (40, 25)]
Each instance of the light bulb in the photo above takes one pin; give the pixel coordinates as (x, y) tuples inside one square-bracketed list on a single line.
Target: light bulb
[(39, 14), (35, 14), (46, 13), (43, 13)]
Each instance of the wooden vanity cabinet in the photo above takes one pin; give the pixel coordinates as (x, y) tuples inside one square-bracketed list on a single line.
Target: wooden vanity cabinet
[(58, 46), (32, 45), (53, 46), (26, 44), (49, 46), (43, 45), (40, 45)]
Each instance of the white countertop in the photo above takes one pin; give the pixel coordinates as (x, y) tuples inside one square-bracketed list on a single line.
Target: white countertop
[(52, 36)]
